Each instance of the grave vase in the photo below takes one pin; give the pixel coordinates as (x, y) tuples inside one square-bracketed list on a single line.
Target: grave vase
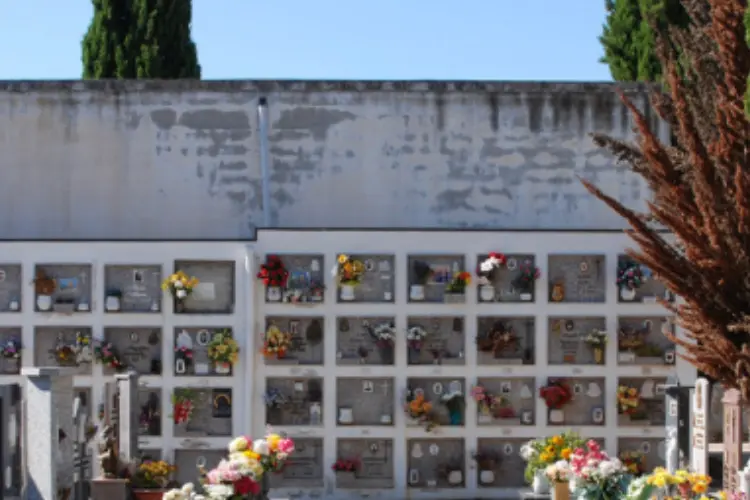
[(486, 477), (386, 354), (487, 293), (344, 478), (627, 294), (416, 292), (346, 416), (561, 491), (179, 305), (273, 294), (414, 354), (598, 355), (347, 293), (540, 485), (44, 302), (222, 367), (455, 477), (112, 303)]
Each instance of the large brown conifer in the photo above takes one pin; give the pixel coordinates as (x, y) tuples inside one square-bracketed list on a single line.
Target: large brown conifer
[(700, 184)]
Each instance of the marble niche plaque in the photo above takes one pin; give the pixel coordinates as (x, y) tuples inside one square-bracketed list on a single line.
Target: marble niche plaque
[(137, 286), (306, 281), (378, 284), (651, 409), (505, 340), (508, 287), (432, 288), (307, 339), (10, 287), (502, 466), (587, 406), (444, 344), (139, 348), (149, 412), (188, 463), (305, 466), (436, 463), (577, 278), (212, 413), (652, 450), (435, 389), (150, 454), (196, 339), (303, 401), (651, 289), (641, 341), (566, 345), (10, 366), (214, 293), (517, 401), (72, 288), (48, 338), (355, 341), (376, 467), (365, 401)]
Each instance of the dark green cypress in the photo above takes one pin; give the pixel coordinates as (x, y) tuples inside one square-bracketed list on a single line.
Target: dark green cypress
[(140, 39)]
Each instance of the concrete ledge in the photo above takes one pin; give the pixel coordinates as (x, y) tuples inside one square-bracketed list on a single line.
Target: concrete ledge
[(46, 371)]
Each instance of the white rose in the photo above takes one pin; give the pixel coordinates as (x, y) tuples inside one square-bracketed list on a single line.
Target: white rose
[(260, 446), (177, 284), (181, 294), (487, 266), (187, 488)]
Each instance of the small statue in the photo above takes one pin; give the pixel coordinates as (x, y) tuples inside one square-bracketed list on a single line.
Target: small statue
[(108, 455)]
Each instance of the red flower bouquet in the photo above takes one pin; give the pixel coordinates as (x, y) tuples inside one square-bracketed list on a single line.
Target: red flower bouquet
[(556, 394), (345, 465), (273, 273)]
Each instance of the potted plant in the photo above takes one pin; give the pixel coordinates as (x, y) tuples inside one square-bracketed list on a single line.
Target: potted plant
[(349, 273), (610, 481), (630, 277), (11, 351), (274, 276), (486, 403), (455, 403), (276, 343), (524, 282), (597, 340), (559, 476), (415, 336), (45, 287), (384, 336), (112, 301), (556, 395), (223, 351), (180, 286), (487, 461), (150, 479), (487, 273), (419, 410), (455, 290), (543, 452), (182, 405), (421, 272), (106, 354), (345, 469)]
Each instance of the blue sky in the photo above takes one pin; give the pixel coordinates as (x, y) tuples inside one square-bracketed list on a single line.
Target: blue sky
[(339, 39)]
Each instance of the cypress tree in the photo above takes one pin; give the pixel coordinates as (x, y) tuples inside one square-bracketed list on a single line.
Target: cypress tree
[(140, 39)]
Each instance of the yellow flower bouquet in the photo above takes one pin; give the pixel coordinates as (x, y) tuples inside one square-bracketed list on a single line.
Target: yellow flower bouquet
[(680, 485), (349, 271), (179, 285), (543, 452), (223, 350)]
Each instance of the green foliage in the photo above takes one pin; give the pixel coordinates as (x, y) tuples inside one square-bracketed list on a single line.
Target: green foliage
[(629, 39), (140, 39)]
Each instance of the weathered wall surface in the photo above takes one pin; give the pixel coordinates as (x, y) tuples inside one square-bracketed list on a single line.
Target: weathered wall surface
[(183, 159)]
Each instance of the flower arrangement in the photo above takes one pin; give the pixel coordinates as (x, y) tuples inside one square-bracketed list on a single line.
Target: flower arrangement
[(556, 394), (418, 408), (106, 354), (415, 336), (596, 338), (628, 400), (276, 343), (274, 398), (455, 402), (630, 276), (182, 405), (558, 472), (43, 283), (488, 268), (83, 348), (682, 484), (241, 473), (633, 462), (499, 338), (153, 474), (273, 273), (223, 348), (458, 283), (65, 354), (486, 401), (541, 453), (179, 285), (527, 275), (349, 271), (11, 348), (596, 475), (184, 353), (345, 465), (384, 335)]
